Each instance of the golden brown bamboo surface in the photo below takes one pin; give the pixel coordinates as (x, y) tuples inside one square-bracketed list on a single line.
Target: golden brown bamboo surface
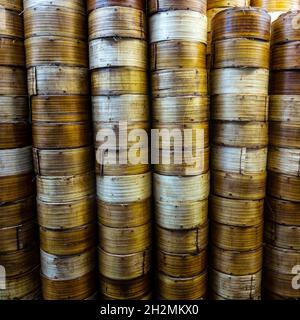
[(75, 289), (12, 52), (68, 242), (11, 24), (285, 161), (122, 22), (242, 23), (14, 108), (275, 5), (286, 56), (52, 20), (236, 287), (124, 267), (285, 134), (14, 134), (285, 82), (193, 288), (227, 3), (168, 5), (285, 108), (13, 81), (55, 50), (76, 5), (95, 4), (15, 5)]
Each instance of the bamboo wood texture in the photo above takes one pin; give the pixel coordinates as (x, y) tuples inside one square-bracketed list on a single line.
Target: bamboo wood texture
[(273, 5), (285, 161), (124, 267), (13, 81), (14, 5), (285, 82), (183, 25), (286, 56), (15, 162), (285, 108), (76, 5), (121, 22), (12, 52), (14, 108), (11, 24), (95, 4), (168, 5), (285, 134), (227, 3), (14, 135)]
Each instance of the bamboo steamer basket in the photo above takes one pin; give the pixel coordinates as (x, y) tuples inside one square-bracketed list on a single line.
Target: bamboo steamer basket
[(124, 189), (123, 241), (236, 238), (52, 20), (105, 53), (285, 134), (285, 82), (241, 134), (75, 289), (147, 296), (243, 22), (12, 52), (18, 212), (283, 212), (60, 216), (179, 82), (236, 287), (14, 108), (17, 237), (57, 80), (178, 216), (117, 22), (236, 263), (95, 4), (65, 189), (285, 108), (273, 5), (227, 3), (177, 54), (182, 241), (20, 286), (240, 81), (55, 50), (76, 5), (242, 213), (182, 265), (286, 237), (68, 242), (128, 215), (285, 161), (125, 290), (238, 107), (14, 135), (286, 56), (168, 5), (284, 187), (67, 267), (184, 109), (66, 162), (10, 77), (193, 288), (15, 162), (169, 189), (241, 52), (110, 81), (239, 160), (60, 109), (14, 5), (11, 24), (183, 25), (124, 267)]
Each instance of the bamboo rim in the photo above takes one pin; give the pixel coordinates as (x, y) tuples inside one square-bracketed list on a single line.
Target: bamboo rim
[(11, 24), (284, 108), (14, 108), (14, 135), (285, 134), (12, 52), (227, 3), (95, 4), (168, 5), (10, 77), (77, 5), (286, 56), (14, 5), (285, 82)]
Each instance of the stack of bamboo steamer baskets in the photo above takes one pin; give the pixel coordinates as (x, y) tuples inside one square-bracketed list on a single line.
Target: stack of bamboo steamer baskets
[(239, 88), (282, 231), (118, 63), (58, 85), (275, 8), (18, 248), (178, 36)]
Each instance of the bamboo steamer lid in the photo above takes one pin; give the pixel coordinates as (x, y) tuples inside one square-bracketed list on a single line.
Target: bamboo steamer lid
[(117, 22), (14, 5), (236, 287), (129, 215), (238, 107), (125, 290), (76, 5), (57, 80), (182, 288), (243, 213), (286, 56), (285, 161), (239, 160), (286, 83), (182, 265), (181, 215), (182, 241), (111, 52), (236, 238), (285, 134), (68, 242), (55, 50), (285, 108), (10, 77), (14, 108), (11, 24), (75, 289), (65, 162), (124, 267), (227, 3), (236, 263), (95, 4), (123, 241), (16, 213), (67, 267), (60, 216), (12, 52), (284, 187), (243, 22), (168, 5), (14, 134)]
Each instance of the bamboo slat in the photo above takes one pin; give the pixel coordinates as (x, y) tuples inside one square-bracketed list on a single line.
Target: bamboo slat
[(76, 5), (285, 161), (285, 108), (95, 4), (12, 52), (14, 5), (285, 134), (14, 108), (286, 56), (285, 82), (13, 81), (14, 135), (227, 3), (15, 162), (168, 5), (11, 24)]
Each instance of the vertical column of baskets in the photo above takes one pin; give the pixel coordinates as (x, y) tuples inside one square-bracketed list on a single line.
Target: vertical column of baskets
[(19, 258), (239, 110), (58, 85), (118, 63), (282, 228), (178, 39)]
